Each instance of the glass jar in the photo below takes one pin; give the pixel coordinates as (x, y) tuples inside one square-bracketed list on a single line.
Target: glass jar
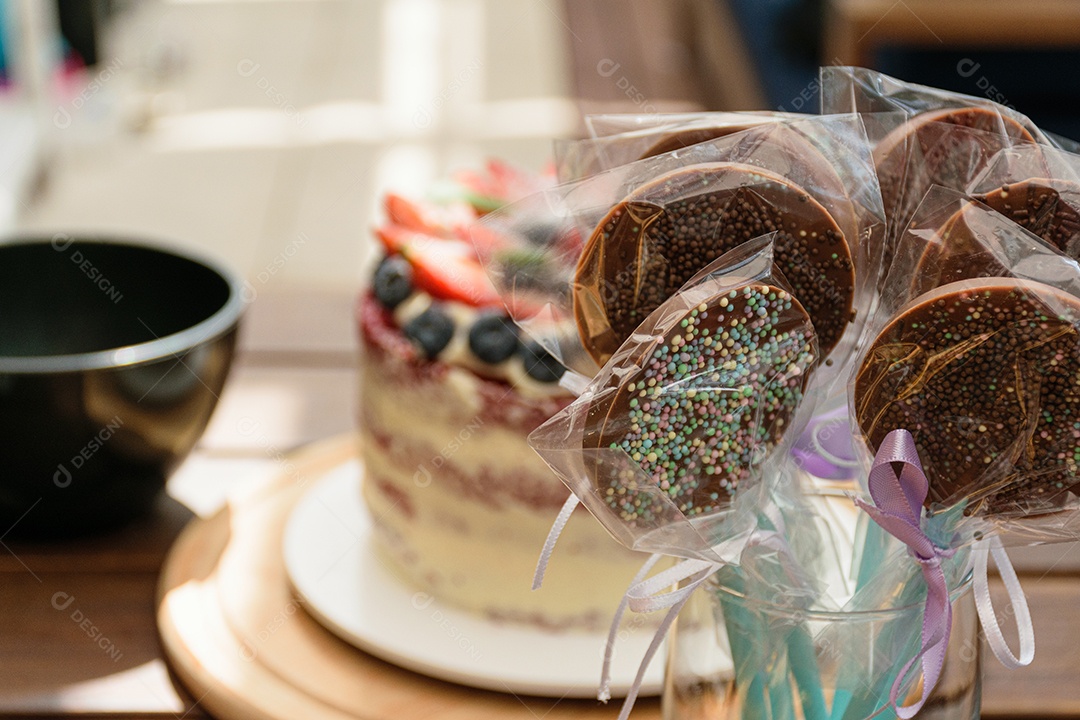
[(813, 665)]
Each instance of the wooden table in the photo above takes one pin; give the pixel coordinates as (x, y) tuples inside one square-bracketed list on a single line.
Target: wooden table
[(77, 633), (77, 630), (855, 29)]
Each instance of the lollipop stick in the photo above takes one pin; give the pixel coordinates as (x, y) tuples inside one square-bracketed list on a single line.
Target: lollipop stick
[(871, 542), (745, 633)]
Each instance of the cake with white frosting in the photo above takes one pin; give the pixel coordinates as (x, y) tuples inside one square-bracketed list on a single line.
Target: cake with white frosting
[(450, 391)]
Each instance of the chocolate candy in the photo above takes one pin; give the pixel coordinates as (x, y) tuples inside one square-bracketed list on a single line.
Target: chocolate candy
[(1044, 207), (790, 154), (679, 139), (956, 253), (959, 251), (986, 376), (937, 148), (665, 232), (709, 392)]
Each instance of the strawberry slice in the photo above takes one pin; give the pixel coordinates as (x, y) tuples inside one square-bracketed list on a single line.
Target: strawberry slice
[(426, 218), (444, 268), (485, 241), (500, 184), (395, 237), (449, 270)]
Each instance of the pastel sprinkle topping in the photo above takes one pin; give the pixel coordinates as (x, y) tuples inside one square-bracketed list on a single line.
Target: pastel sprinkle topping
[(709, 400)]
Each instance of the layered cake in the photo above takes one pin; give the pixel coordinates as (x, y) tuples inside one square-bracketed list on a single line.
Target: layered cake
[(449, 393)]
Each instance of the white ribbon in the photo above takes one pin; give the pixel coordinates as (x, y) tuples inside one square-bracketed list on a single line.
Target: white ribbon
[(604, 693), (985, 604), (574, 383), (553, 537), (645, 596)]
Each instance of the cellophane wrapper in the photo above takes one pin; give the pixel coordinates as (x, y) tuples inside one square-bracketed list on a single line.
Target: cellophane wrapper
[(605, 124), (1023, 162), (666, 445), (975, 349), (621, 139), (922, 136), (846, 89), (555, 301), (1037, 188)]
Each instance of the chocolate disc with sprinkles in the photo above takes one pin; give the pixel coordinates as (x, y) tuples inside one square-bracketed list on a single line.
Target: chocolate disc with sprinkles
[(958, 253), (985, 374), (652, 243), (792, 155), (711, 391), (1045, 207), (936, 148)]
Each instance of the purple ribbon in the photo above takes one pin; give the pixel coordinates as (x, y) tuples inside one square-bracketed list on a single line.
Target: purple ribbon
[(898, 511), (825, 449)]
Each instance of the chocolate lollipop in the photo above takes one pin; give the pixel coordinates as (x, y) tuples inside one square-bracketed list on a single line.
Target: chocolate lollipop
[(985, 374), (936, 148), (648, 246), (1045, 207), (791, 154), (711, 391), (679, 139), (958, 254)]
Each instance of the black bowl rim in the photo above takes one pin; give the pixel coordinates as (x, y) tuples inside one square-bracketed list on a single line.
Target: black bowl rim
[(221, 322)]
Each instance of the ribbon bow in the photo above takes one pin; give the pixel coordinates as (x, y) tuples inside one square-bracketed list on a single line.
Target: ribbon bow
[(898, 501)]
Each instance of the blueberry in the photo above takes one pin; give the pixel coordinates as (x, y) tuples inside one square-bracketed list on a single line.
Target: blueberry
[(431, 330), (393, 281), (540, 364), (493, 338)]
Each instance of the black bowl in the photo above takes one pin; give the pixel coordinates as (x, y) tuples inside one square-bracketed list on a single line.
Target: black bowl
[(112, 357)]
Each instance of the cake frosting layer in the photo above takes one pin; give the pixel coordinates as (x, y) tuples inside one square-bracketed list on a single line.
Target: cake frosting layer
[(461, 503)]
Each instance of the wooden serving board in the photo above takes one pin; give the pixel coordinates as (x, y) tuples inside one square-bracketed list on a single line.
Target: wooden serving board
[(247, 650)]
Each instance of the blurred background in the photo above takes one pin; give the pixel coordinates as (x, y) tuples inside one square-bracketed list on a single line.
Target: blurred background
[(264, 130)]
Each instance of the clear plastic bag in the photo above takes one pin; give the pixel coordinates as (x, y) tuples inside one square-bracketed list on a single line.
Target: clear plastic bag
[(681, 419), (847, 89), (634, 234), (922, 136), (976, 351), (606, 124), (621, 139), (1038, 189)]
